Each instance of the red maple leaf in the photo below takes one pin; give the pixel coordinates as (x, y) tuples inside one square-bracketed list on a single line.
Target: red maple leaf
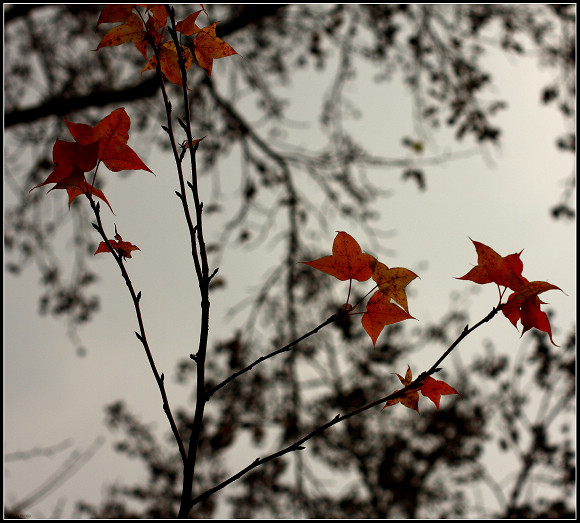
[(157, 16), (380, 313), (112, 134), (434, 389), (71, 161), (429, 387), (115, 13), (505, 271), (106, 142), (123, 248), (70, 155), (208, 47), (525, 306), (188, 26), (193, 142), (76, 184), (347, 262)]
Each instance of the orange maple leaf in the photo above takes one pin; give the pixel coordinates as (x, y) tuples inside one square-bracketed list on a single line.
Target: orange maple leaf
[(209, 47), (188, 26), (525, 306), (193, 142), (392, 282), (158, 16), (123, 248), (115, 13), (411, 398), (380, 313), (170, 63), (347, 261), (112, 134), (505, 271), (131, 30), (429, 387)]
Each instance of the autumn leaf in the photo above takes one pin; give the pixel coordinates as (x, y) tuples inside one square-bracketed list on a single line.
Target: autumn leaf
[(505, 271), (112, 134), (380, 313), (123, 248), (193, 142), (429, 387), (131, 30), (411, 398), (209, 47), (525, 307), (170, 63), (106, 141), (392, 282), (71, 161), (115, 13), (155, 24), (70, 155), (188, 26), (434, 389), (158, 16), (76, 184), (347, 260), (522, 305)]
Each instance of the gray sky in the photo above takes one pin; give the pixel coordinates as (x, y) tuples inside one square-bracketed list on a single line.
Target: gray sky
[(501, 198)]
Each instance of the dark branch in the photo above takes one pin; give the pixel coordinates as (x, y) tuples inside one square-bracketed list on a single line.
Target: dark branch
[(60, 106)]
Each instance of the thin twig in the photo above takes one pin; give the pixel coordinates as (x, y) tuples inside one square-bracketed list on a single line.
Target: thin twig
[(203, 277), (136, 297), (67, 470), (297, 445), (238, 373)]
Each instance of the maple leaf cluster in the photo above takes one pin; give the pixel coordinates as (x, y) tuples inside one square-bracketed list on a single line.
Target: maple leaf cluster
[(388, 304), (106, 142), (429, 387), (147, 33), (506, 271)]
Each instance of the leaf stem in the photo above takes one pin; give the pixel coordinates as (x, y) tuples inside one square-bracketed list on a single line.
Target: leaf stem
[(362, 299)]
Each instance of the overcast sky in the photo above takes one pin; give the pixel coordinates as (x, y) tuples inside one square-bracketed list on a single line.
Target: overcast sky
[(501, 198)]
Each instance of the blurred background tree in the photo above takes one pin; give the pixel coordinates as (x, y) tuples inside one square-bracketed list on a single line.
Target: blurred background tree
[(427, 469)]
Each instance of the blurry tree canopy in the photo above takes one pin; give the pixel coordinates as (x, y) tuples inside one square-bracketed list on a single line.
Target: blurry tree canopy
[(51, 72)]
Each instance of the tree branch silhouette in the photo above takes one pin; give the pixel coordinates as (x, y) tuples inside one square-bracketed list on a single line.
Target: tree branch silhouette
[(297, 445)]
